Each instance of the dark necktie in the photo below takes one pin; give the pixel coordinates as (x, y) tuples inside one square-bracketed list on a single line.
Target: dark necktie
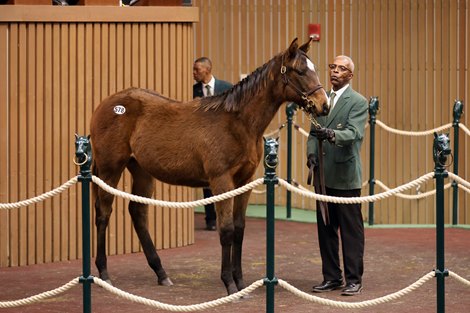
[(208, 91), (332, 100)]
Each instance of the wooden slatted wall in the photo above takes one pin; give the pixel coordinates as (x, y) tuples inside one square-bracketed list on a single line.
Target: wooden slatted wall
[(412, 54), (52, 76)]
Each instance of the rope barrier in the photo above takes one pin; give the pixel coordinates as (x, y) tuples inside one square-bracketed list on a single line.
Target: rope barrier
[(459, 278), (276, 131), (465, 129), (363, 199), (412, 197), (40, 198), (459, 180), (41, 296), (230, 298), (294, 187), (413, 133), (179, 308), (210, 304), (401, 132), (169, 204), (361, 304)]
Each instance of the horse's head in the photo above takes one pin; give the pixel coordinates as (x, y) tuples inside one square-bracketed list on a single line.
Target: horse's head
[(441, 148), (301, 82), (82, 149)]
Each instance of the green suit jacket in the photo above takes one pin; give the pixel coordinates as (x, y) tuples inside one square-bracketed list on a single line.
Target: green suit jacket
[(342, 162)]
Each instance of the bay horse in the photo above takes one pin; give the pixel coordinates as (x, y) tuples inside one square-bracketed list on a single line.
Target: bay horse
[(214, 142)]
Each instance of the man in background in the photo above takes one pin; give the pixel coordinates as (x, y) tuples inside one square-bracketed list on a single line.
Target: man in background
[(207, 85)]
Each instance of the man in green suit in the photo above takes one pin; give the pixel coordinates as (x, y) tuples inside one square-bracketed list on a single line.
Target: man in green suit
[(342, 133)]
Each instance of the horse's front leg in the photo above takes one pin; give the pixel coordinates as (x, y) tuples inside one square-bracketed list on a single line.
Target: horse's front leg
[(239, 213), (225, 227)]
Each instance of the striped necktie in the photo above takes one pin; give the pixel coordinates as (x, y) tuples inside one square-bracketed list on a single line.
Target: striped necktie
[(208, 91), (332, 100)]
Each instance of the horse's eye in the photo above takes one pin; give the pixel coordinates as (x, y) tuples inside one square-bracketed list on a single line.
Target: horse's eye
[(300, 72)]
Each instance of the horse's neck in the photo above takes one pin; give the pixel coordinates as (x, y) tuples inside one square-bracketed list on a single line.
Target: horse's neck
[(260, 110)]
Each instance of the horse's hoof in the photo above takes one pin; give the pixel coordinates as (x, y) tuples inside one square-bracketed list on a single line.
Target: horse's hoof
[(165, 282), (241, 285), (231, 289)]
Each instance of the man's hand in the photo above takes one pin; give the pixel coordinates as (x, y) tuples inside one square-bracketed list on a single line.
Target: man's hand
[(324, 133), (311, 160)]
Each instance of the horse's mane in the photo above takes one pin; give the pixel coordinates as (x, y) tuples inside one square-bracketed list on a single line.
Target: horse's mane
[(233, 99)]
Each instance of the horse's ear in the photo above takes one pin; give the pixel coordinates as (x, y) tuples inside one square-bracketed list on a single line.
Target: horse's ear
[(435, 135), (294, 46), (306, 46), (76, 136)]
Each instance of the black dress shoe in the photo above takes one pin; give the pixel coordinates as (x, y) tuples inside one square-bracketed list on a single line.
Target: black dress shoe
[(210, 225), (328, 285), (351, 289)]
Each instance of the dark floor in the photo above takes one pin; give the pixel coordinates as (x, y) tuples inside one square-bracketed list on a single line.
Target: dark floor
[(394, 259)]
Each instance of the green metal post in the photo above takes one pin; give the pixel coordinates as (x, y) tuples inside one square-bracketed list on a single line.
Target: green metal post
[(458, 110), (290, 109), (373, 110), (440, 151), (270, 179), (83, 156)]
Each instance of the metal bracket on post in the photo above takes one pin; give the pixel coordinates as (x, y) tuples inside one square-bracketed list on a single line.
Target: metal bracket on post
[(441, 149), (83, 158), (458, 111), (290, 110), (373, 110), (271, 161)]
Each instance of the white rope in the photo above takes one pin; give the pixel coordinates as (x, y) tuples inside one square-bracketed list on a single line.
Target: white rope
[(301, 130), (41, 296), (464, 188), (276, 131), (227, 299), (364, 199), (465, 129), (179, 308), (414, 133), (412, 197), (169, 204), (459, 180), (401, 132), (361, 304), (459, 278), (40, 198)]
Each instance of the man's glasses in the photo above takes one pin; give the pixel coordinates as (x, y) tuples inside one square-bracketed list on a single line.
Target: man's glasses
[(341, 68)]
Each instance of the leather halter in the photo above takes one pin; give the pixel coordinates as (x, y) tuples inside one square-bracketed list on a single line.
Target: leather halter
[(304, 94)]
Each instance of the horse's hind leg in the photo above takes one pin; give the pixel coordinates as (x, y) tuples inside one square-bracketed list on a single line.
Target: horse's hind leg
[(239, 212), (143, 185)]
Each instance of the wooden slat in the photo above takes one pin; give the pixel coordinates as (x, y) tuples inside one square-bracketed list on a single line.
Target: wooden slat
[(22, 144), (4, 160), (30, 132)]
